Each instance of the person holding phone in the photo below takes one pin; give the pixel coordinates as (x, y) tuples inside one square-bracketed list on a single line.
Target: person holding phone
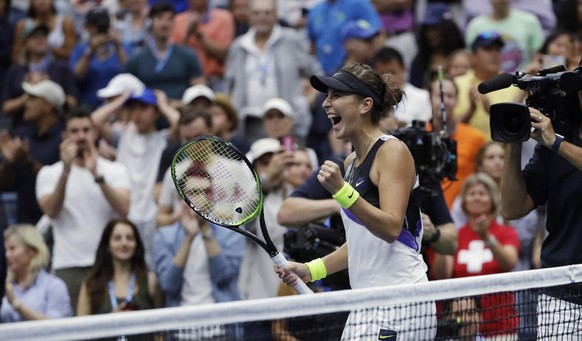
[(81, 193), (98, 59), (278, 123)]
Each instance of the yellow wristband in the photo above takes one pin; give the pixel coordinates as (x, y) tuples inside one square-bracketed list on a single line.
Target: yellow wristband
[(346, 196), (317, 269)]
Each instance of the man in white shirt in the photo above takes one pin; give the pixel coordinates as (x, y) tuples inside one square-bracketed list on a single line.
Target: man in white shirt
[(140, 150), (81, 193), (415, 104)]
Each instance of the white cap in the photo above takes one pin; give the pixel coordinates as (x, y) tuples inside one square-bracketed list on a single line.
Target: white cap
[(47, 89), (280, 105), (263, 146), (198, 90), (120, 84)]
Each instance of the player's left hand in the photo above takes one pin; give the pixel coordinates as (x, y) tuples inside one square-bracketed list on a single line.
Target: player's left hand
[(330, 177)]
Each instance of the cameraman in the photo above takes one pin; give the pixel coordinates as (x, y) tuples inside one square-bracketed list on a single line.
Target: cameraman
[(551, 177)]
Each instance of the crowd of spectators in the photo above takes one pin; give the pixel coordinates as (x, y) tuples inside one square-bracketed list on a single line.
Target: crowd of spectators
[(96, 96)]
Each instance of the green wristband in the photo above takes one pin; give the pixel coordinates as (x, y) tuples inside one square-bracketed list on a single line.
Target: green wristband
[(317, 269), (346, 196)]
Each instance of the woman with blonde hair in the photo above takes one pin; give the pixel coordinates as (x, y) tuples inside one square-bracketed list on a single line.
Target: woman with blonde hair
[(31, 292), (485, 247), (530, 228)]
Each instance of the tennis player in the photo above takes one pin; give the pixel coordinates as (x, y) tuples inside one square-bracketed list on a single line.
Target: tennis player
[(379, 195)]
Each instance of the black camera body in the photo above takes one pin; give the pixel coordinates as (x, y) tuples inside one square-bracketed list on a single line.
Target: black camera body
[(553, 91), (99, 18), (435, 155), (313, 241)]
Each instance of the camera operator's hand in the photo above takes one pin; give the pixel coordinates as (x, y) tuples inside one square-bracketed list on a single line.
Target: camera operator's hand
[(544, 131), (330, 177), (429, 229)]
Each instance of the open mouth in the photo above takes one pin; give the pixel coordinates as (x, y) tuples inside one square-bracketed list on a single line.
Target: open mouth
[(335, 119)]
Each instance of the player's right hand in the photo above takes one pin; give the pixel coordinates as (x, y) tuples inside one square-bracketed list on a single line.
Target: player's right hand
[(293, 270)]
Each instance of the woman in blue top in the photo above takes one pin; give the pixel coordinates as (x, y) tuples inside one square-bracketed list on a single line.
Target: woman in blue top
[(98, 59), (380, 200)]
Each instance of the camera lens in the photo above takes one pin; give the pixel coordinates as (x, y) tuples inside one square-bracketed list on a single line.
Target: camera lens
[(513, 123), (509, 122)]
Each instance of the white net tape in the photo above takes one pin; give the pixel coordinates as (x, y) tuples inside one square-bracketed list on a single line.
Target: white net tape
[(128, 323)]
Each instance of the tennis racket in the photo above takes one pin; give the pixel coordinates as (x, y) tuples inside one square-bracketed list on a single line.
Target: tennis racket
[(219, 183)]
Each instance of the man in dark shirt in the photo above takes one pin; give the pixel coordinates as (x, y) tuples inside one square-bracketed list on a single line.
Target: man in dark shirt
[(553, 177), (33, 145)]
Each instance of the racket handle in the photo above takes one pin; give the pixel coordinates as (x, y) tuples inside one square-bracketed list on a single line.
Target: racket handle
[(299, 286)]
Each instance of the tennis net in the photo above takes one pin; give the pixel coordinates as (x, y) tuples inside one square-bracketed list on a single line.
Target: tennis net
[(541, 304)]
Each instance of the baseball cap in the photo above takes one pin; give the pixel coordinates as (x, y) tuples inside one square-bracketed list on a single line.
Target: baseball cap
[(30, 30), (48, 90), (436, 13), (198, 90), (263, 146), (147, 96), (486, 39), (280, 105), (359, 29), (119, 84), (344, 81)]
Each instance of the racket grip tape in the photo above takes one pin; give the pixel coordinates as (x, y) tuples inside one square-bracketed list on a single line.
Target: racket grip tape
[(299, 286)]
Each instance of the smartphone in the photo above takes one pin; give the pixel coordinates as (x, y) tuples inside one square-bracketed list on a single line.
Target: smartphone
[(288, 143)]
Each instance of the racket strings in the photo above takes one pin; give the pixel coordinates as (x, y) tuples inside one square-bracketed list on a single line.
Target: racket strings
[(218, 182)]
